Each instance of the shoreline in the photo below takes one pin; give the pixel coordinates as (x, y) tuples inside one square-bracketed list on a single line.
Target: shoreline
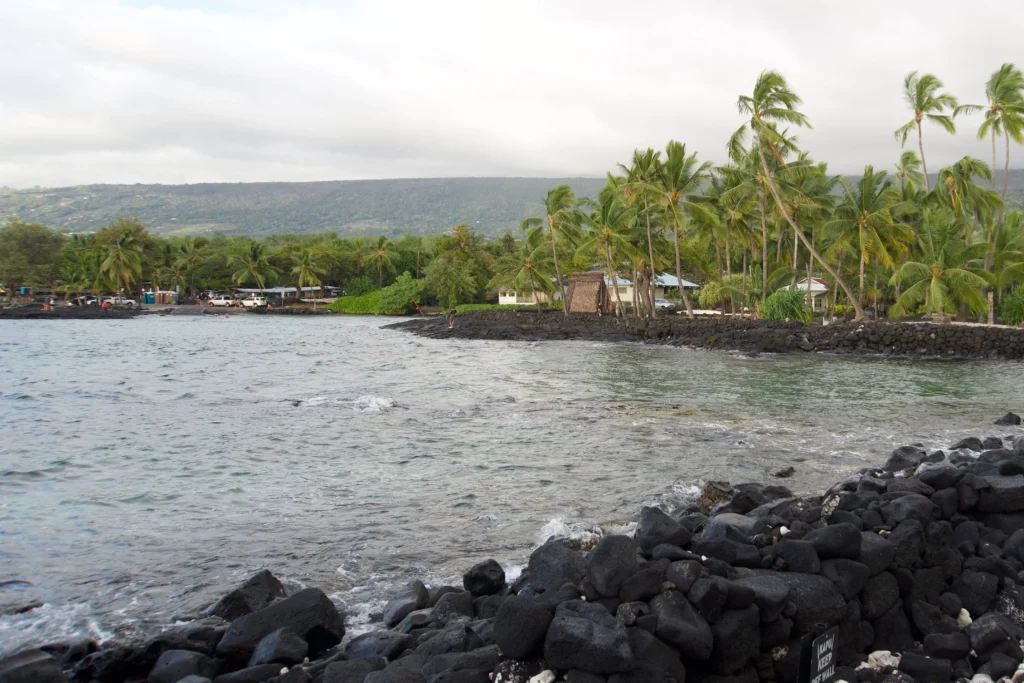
[(922, 557), (917, 340)]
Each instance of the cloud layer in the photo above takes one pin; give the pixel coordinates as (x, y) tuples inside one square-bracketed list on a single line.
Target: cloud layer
[(184, 92)]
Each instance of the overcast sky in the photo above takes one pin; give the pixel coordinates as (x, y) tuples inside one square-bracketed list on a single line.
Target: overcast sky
[(254, 90)]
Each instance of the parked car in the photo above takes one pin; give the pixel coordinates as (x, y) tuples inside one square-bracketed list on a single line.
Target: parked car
[(82, 301), (120, 301), (664, 305), (254, 302), (222, 300)]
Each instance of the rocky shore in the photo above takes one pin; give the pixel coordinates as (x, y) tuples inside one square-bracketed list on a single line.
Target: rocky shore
[(36, 312), (913, 571), (906, 340)]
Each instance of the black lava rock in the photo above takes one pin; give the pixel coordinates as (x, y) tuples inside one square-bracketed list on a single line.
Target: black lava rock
[(553, 565), (354, 671), (520, 627), (174, 665), (976, 591), (737, 639), (950, 646), (770, 594), (657, 528), (1008, 419), (257, 592), (279, 647), (800, 556), (32, 666), (387, 644), (610, 563), (585, 637), (486, 578), (880, 593), (924, 668), (309, 613), (682, 626), (849, 576), (413, 597)]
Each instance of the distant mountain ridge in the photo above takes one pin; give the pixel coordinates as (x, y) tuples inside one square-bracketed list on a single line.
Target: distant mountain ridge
[(348, 207)]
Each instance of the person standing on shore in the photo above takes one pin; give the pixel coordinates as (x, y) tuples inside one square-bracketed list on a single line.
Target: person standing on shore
[(105, 306), (451, 317)]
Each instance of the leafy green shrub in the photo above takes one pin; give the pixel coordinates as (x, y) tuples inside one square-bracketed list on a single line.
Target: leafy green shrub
[(359, 286), (1012, 311), (367, 304), (786, 305), (399, 296)]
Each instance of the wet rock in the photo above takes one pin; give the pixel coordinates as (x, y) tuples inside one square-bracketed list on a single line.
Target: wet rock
[(455, 637), (174, 665), (905, 457), (257, 592), (737, 640), (553, 565), (279, 647), (414, 620), (908, 506), (709, 595), (940, 476), (835, 541), (923, 668), (992, 633), (972, 442), (486, 606), (648, 649), (485, 578), (195, 679), (309, 613), (520, 627), (452, 606), (849, 576), (413, 597), (672, 553), (657, 528), (521, 671), (784, 473), (482, 659), (976, 590), (586, 637), (713, 493), (610, 563), (681, 626), (770, 594), (991, 442), (32, 666), (387, 644), (353, 671), (1008, 419), (947, 501)]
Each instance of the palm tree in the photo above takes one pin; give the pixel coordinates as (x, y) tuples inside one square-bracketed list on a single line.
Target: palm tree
[(122, 261), (867, 219), (678, 178), (190, 255), (252, 264), (923, 96), (307, 270), (957, 189), (1004, 113), (942, 276), (560, 216), (773, 102), (908, 170), (609, 224), (382, 255), (531, 265), (641, 183)]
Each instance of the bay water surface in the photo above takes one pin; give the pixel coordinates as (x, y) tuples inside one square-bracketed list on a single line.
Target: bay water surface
[(148, 465)]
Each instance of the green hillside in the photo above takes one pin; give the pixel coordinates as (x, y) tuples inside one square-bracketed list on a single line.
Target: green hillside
[(356, 207), (390, 207)]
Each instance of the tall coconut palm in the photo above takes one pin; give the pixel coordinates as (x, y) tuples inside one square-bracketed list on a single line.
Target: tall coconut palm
[(679, 177), (868, 220), (531, 266), (607, 235), (190, 255), (308, 269), (908, 170), (1004, 113), (252, 264), (958, 189), (941, 276), (382, 255), (923, 96), (122, 261), (773, 102), (641, 185), (560, 217)]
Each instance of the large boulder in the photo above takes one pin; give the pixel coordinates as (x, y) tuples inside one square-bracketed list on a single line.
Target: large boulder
[(681, 626), (610, 563), (905, 457), (353, 671), (835, 540), (976, 591), (174, 665), (387, 644), (737, 639), (520, 626), (770, 594), (876, 553), (709, 596), (650, 650), (280, 647), (818, 602), (585, 636), (849, 576), (880, 593), (657, 528), (1010, 419), (1005, 494), (309, 613), (800, 556), (485, 578), (260, 590), (453, 605), (923, 668), (553, 565), (31, 666), (413, 597), (892, 631)]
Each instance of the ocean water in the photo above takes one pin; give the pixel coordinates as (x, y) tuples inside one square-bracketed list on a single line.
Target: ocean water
[(148, 465)]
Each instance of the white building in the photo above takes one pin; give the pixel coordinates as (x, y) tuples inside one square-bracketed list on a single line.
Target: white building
[(819, 288)]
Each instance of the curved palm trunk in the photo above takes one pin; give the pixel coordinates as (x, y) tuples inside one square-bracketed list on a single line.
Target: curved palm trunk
[(924, 164), (679, 270), (558, 271), (615, 282), (728, 270), (803, 238), (863, 257), (764, 248), (650, 253)]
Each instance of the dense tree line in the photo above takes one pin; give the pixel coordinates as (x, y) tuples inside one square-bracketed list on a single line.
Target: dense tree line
[(748, 230)]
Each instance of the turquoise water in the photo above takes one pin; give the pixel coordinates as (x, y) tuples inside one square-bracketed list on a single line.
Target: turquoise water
[(148, 464)]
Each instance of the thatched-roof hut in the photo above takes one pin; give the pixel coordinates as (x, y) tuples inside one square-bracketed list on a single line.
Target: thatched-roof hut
[(587, 293)]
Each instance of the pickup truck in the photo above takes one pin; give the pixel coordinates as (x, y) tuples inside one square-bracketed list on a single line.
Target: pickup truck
[(254, 302), (121, 301)]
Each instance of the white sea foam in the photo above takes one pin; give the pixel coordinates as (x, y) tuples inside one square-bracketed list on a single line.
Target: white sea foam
[(372, 404), (559, 528)]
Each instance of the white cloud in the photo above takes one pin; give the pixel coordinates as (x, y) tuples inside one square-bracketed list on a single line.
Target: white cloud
[(100, 91)]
